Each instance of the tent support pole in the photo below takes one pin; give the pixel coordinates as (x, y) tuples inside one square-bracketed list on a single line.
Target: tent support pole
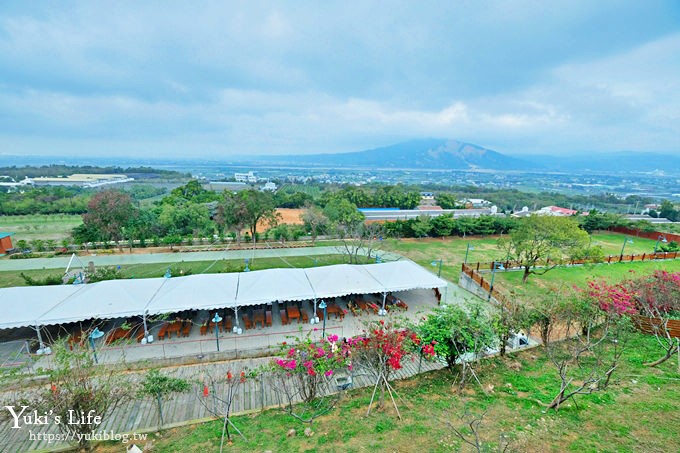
[(146, 330), (383, 304), (40, 340), (236, 316), (314, 314)]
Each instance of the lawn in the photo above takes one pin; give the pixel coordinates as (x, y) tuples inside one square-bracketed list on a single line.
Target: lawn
[(565, 277), (485, 249), (13, 278), (637, 413), (39, 226)]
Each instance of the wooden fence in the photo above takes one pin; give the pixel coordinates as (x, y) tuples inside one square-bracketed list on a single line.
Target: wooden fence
[(485, 284), (653, 235), (513, 265), (652, 326)]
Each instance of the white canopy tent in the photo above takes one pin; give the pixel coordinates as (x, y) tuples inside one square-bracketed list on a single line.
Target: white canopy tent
[(48, 305)]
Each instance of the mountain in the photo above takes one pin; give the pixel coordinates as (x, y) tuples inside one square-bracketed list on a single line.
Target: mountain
[(415, 154)]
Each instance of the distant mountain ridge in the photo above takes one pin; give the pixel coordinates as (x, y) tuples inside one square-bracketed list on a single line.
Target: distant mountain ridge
[(416, 154)]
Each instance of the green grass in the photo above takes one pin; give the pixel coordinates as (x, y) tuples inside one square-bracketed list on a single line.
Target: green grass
[(637, 413), (13, 278), (485, 249), (38, 226), (565, 277)]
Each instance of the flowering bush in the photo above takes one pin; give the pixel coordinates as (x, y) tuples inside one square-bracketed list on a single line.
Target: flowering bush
[(618, 298), (308, 363)]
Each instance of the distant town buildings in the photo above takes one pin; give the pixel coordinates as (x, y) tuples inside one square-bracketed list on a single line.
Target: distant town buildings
[(245, 177), (269, 187), (474, 203)]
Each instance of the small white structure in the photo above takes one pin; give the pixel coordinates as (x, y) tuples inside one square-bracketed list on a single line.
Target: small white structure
[(245, 177)]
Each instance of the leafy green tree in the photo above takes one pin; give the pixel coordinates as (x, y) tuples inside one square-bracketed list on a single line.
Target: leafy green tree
[(668, 211), (537, 237), (185, 219), (421, 226), (343, 212), (160, 387), (457, 331), (442, 225), (257, 207)]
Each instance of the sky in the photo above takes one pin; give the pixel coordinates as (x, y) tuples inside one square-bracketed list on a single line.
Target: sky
[(215, 79)]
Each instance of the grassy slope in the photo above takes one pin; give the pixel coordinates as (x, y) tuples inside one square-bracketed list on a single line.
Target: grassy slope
[(452, 250), (566, 277), (638, 413), (29, 227)]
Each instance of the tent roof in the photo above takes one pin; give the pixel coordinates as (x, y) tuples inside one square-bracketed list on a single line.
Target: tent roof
[(106, 299), (343, 280), (22, 306), (403, 276), (45, 305), (266, 286), (194, 292)]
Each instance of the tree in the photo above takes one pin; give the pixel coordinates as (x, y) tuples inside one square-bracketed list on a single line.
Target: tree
[(78, 387), (315, 220), (380, 351), (668, 211), (185, 219), (596, 336), (107, 213), (538, 237), (306, 371), (509, 318), (657, 297), (421, 226), (359, 240), (458, 334), (343, 213), (255, 206), (160, 387)]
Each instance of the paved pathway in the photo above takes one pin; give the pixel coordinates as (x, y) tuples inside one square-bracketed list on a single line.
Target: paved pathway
[(139, 415), (111, 260)]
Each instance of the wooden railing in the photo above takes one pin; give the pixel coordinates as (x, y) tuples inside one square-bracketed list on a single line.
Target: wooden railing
[(509, 265), (485, 284), (653, 326)]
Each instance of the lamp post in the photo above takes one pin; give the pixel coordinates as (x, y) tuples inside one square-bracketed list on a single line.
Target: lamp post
[(167, 274), (435, 263), (467, 250), (626, 240), (323, 306), (378, 260), (96, 333), (493, 275), (661, 238), (247, 269), (216, 320)]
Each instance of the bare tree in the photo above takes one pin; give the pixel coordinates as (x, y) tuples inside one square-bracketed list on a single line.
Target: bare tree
[(359, 240), (587, 358), (469, 432)]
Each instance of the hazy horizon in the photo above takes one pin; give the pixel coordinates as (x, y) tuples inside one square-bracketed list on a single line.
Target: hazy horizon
[(159, 80)]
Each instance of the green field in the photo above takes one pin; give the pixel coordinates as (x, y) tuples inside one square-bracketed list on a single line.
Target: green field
[(29, 227), (13, 278), (565, 277), (452, 250), (639, 412)]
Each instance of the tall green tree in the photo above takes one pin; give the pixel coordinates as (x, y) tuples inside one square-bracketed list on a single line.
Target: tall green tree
[(537, 237)]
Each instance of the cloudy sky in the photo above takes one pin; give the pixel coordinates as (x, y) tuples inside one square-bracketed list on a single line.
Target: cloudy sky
[(216, 79)]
